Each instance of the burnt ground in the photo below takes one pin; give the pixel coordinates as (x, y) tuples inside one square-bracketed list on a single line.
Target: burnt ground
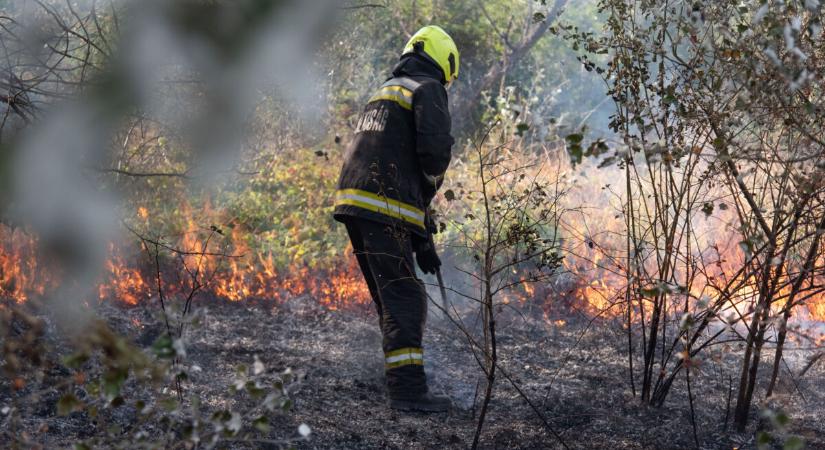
[(574, 374)]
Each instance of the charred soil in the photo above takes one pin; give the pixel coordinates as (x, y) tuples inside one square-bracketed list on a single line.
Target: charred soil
[(575, 374)]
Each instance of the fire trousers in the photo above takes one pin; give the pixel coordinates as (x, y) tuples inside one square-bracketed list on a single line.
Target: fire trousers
[(385, 255)]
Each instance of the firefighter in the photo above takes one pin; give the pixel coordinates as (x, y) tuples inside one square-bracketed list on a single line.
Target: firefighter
[(392, 170)]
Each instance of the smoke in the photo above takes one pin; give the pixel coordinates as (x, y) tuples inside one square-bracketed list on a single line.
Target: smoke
[(236, 51), (235, 70)]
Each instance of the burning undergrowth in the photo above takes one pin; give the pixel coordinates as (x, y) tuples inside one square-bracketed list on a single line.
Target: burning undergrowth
[(134, 275), (238, 251), (299, 277)]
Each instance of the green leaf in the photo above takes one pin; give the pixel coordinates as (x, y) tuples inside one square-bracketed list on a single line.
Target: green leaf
[(794, 443), (659, 289), (93, 388), (169, 404), (163, 347), (763, 440), (575, 138), (597, 148), (68, 404), (221, 416), (75, 360), (782, 419), (609, 161), (235, 423), (262, 424), (253, 390), (649, 292), (113, 381), (686, 321), (576, 153)]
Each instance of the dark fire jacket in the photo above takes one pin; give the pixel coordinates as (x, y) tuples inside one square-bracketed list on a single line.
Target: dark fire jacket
[(401, 150)]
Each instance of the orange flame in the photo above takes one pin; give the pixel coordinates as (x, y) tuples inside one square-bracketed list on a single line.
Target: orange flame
[(239, 273), (124, 283), (20, 274)]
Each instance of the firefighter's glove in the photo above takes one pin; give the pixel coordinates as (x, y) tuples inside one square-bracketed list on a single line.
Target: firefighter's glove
[(432, 227), (426, 257)]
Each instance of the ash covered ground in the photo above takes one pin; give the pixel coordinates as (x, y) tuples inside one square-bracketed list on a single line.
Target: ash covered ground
[(574, 374)]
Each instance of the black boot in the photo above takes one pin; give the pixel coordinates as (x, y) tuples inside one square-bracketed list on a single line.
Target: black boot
[(426, 402)]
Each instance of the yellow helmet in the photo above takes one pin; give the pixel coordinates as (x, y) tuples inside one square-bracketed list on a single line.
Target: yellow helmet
[(435, 43)]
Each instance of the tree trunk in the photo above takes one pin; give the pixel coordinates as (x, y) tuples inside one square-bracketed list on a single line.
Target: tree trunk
[(465, 109)]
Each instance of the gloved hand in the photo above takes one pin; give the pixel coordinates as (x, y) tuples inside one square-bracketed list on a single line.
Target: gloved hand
[(426, 256), (429, 222)]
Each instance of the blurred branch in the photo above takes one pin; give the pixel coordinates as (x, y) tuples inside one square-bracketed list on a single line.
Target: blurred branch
[(16, 105), (505, 38), (362, 6), (183, 175)]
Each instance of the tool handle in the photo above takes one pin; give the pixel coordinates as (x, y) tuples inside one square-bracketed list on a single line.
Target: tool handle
[(444, 303)]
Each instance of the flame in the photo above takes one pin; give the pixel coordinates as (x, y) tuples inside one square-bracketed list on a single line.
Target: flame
[(124, 283), (20, 274), (237, 276), (227, 267)]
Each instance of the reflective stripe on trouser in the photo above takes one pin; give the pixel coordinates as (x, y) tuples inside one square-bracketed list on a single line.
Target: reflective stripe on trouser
[(386, 258), (380, 204), (404, 357)]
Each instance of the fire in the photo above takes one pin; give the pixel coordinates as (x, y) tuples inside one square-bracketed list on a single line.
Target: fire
[(20, 274), (241, 276), (238, 276), (259, 279), (125, 283), (257, 276), (817, 309), (225, 265)]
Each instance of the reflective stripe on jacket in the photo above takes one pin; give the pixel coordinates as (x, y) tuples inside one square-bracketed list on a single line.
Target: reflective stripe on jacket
[(382, 205)]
